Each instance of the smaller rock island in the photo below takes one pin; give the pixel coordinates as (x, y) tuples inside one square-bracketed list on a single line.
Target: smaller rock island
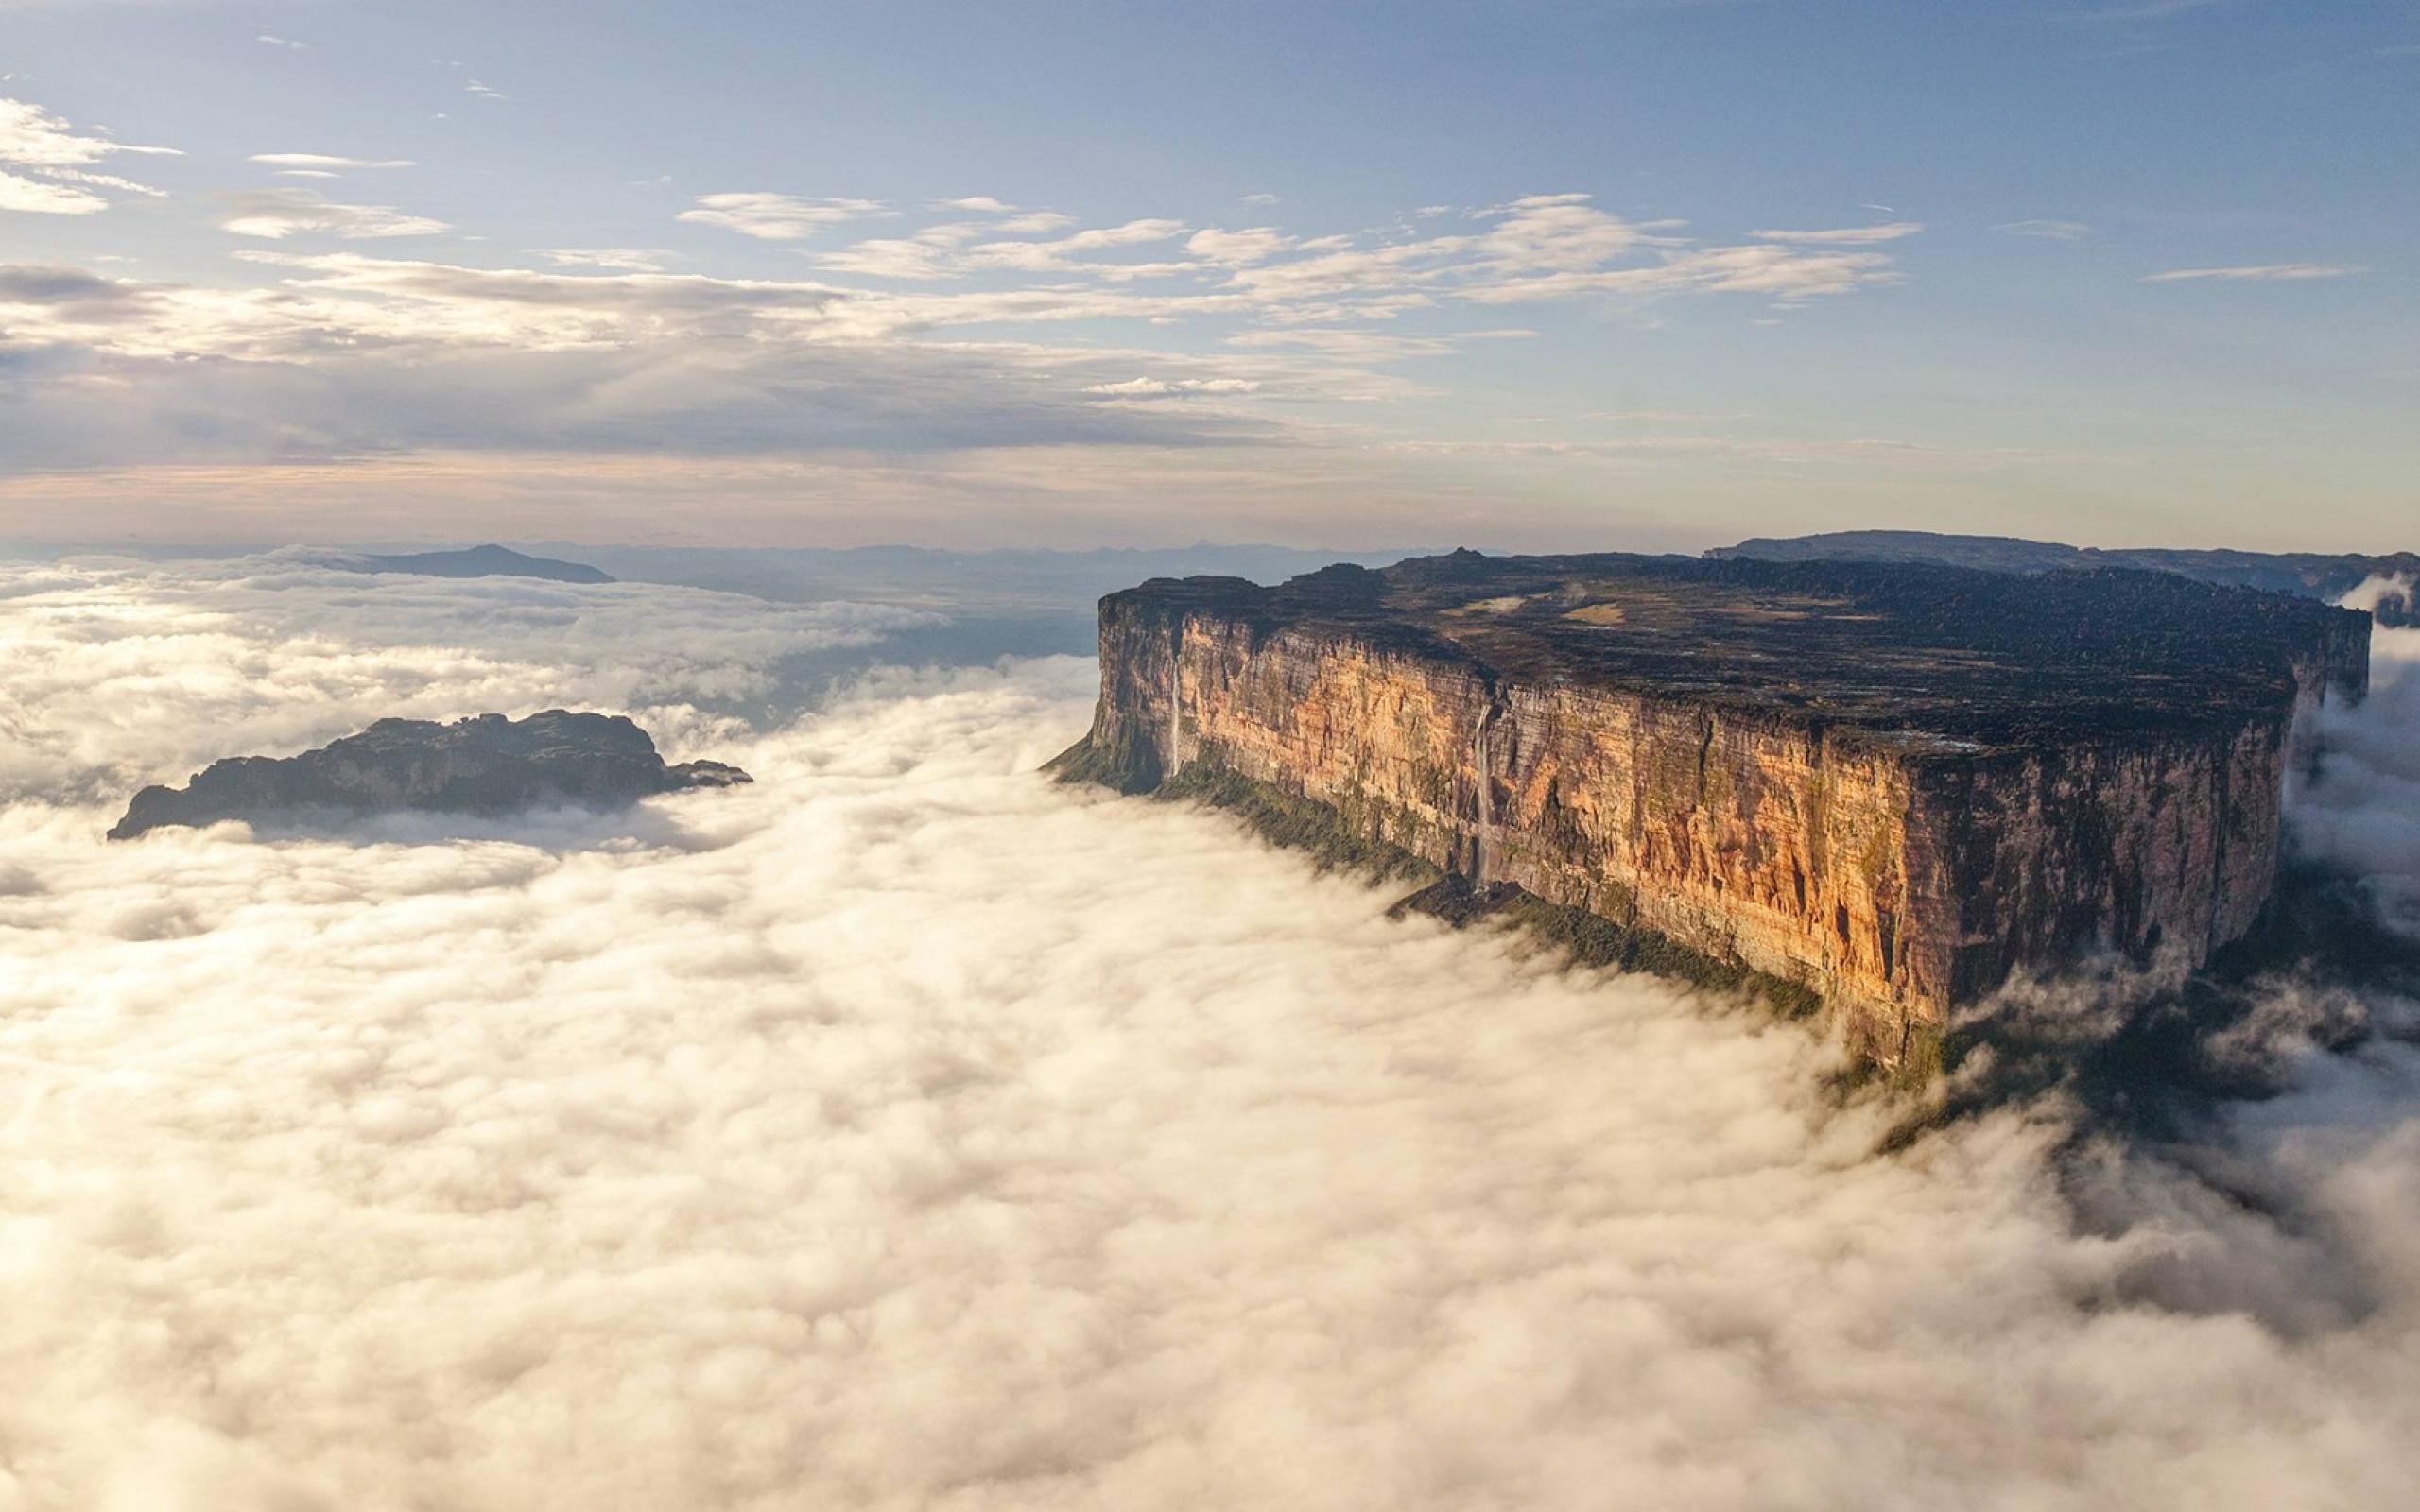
[(484, 764)]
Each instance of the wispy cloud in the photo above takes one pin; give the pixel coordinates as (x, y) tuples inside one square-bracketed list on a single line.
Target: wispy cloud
[(48, 158), (269, 39), (2053, 230), (613, 259), (277, 213), (2257, 273), (2143, 10), (325, 161), (1844, 236), (777, 217)]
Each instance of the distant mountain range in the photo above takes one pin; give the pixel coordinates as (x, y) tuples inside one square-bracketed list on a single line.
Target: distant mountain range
[(2305, 574), (478, 562)]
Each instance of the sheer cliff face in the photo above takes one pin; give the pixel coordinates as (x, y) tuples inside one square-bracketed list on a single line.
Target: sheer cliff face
[(1896, 871)]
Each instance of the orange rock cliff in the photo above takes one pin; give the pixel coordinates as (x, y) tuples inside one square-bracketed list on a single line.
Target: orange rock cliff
[(1893, 785)]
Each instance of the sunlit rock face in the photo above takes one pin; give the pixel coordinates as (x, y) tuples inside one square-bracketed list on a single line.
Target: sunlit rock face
[(1894, 785), (487, 764)]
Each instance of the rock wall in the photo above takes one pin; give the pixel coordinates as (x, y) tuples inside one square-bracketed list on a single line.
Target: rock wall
[(1896, 875)]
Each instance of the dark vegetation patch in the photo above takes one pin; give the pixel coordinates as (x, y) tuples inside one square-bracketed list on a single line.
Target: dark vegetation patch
[(1892, 649), (2154, 1060), (1580, 937)]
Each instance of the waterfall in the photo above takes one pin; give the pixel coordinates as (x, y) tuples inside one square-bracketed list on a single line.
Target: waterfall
[(1486, 793), (1176, 706)]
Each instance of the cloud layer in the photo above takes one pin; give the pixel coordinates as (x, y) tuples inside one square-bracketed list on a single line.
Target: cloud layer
[(906, 1131)]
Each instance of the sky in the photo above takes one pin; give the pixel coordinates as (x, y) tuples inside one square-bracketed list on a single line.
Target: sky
[(1524, 275), (905, 1130)]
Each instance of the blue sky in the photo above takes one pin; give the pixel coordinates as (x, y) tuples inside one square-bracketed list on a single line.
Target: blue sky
[(2116, 271)]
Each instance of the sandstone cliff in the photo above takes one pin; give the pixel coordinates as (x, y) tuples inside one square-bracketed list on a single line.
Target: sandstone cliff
[(488, 764), (1891, 785)]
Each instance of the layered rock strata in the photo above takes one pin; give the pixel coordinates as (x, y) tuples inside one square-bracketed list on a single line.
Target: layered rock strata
[(1893, 785), (487, 764)]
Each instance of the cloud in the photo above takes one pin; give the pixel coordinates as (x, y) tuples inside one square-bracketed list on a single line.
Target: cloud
[(49, 160), (777, 217), (904, 1130), (2362, 812), (277, 213), (324, 160), (2260, 273), (1249, 246), (34, 197), (283, 652), (1846, 237), (1170, 388), (612, 259), (271, 39), (993, 328), (2055, 231)]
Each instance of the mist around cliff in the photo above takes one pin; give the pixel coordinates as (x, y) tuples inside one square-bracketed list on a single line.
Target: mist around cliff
[(903, 1130), (2362, 814)]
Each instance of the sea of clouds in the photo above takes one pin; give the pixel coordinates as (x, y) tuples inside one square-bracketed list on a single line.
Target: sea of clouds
[(906, 1131)]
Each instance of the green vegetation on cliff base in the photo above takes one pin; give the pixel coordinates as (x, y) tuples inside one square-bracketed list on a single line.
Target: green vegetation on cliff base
[(1581, 937), (1299, 823), (1123, 763)]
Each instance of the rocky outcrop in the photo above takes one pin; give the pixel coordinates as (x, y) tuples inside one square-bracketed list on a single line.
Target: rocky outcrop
[(1892, 786), (487, 764)]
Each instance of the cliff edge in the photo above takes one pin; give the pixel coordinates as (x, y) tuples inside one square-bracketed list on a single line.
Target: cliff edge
[(1891, 785)]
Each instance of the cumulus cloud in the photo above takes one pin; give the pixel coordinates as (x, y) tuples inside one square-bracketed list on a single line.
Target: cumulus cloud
[(49, 159), (906, 1130), (277, 213), (777, 217)]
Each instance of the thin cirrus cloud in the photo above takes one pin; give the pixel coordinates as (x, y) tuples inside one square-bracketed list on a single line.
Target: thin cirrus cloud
[(777, 217), (1844, 236), (45, 164), (325, 161), (2256, 273), (274, 214), (2048, 231)]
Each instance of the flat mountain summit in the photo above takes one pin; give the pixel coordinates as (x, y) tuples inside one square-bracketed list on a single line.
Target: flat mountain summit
[(485, 764), (480, 561), (2302, 574)]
